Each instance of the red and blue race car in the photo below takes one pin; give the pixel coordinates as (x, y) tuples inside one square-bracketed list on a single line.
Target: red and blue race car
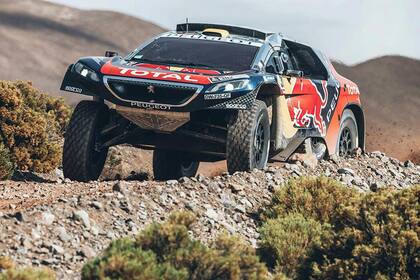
[(209, 92)]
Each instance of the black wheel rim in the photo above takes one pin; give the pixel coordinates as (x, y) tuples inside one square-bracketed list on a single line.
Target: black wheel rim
[(259, 142), (346, 142)]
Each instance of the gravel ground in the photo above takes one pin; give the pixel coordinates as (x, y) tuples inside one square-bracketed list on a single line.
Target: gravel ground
[(47, 220)]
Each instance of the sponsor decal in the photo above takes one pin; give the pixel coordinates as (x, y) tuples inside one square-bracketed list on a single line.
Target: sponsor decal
[(269, 78), (217, 96), (73, 89), (154, 74), (228, 78), (308, 112), (235, 106), (150, 106)]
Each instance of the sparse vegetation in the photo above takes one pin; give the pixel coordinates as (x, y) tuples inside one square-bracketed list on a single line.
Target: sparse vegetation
[(31, 128), (379, 239), (166, 251), (8, 271), (318, 229), (315, 198), (285, 241)]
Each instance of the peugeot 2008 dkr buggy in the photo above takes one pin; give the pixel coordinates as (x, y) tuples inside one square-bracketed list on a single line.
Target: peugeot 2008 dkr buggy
[(208, 92)]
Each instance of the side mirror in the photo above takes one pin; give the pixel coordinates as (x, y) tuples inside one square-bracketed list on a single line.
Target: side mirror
[(110, 54), (294, 73)]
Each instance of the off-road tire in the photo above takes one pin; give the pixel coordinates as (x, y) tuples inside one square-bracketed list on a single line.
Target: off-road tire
[(81, 162), (172, 165), (347, 124), (242, 129)]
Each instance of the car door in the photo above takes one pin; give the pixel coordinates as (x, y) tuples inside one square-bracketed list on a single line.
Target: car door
[(305, 87)]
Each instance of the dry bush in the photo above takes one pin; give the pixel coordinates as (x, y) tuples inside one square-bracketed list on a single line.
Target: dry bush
[(378, 240), (31, 127), (318, 229), (8, 271), (286, 241), (166, 251), (7, 165), (315, 198)]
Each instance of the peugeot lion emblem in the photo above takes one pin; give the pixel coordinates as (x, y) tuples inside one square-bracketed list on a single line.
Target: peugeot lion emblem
[(151, 89)]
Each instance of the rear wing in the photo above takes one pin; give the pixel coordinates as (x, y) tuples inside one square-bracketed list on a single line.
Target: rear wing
[(184, 27)]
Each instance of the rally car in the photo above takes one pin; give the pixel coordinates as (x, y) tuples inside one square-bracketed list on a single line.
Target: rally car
[(208, 92)]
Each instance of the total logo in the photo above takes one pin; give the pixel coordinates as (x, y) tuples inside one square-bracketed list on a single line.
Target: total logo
[(154, 74)]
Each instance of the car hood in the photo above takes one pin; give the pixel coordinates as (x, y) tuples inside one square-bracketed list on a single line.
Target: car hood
[(123, 68)]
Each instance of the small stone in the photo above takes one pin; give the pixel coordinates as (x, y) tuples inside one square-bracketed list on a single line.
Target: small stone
[(335, 158), (97, 205), (184, 180), (214, 187), (211, 214), (236, 188), (87, 252), (63, 235), (94, 230), (408, 164), (35, 234), (83, 216), (20, 216), (47, 218), (171, 182), (119, 187), (58, 250), (374, 187), (346, 170), (240, 208)]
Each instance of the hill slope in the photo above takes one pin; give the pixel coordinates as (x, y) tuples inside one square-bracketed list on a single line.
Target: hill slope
[(390, 88), (38, 40)]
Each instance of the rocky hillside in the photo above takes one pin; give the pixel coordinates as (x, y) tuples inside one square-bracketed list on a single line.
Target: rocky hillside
[(51, 221)]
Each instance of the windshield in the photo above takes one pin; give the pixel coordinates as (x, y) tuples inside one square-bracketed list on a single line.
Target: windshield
[(198, 53)]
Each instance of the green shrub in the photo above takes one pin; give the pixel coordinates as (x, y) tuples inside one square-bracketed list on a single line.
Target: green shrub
[(166, 251), (31, 127), (315, 198), (379, 240), (7, 166), (286, 241), (8, 271)]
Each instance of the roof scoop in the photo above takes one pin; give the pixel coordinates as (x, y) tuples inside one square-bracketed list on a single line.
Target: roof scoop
[(215, 32)]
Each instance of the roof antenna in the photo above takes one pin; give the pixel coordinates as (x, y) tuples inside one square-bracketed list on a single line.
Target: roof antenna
[(186, 21)]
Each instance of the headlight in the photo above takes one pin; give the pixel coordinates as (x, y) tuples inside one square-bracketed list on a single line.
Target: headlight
[(85, 72), (229, 86)]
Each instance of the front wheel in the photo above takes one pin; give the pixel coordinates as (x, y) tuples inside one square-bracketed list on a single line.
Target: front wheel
[(83, 160), (348, 139), (169, 165), (248, 139)]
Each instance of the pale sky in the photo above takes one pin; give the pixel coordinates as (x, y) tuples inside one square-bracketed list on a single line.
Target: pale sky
[(347, 30)]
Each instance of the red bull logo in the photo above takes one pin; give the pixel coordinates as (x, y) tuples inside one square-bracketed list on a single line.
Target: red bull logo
[(306, 108)]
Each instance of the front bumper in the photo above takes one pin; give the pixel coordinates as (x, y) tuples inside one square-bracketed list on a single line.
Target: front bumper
[(156, 95)]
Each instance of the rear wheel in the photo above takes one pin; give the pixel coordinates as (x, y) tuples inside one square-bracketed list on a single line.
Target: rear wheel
[(169, 165), (83, 158), (348, 139), (248, 139)]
